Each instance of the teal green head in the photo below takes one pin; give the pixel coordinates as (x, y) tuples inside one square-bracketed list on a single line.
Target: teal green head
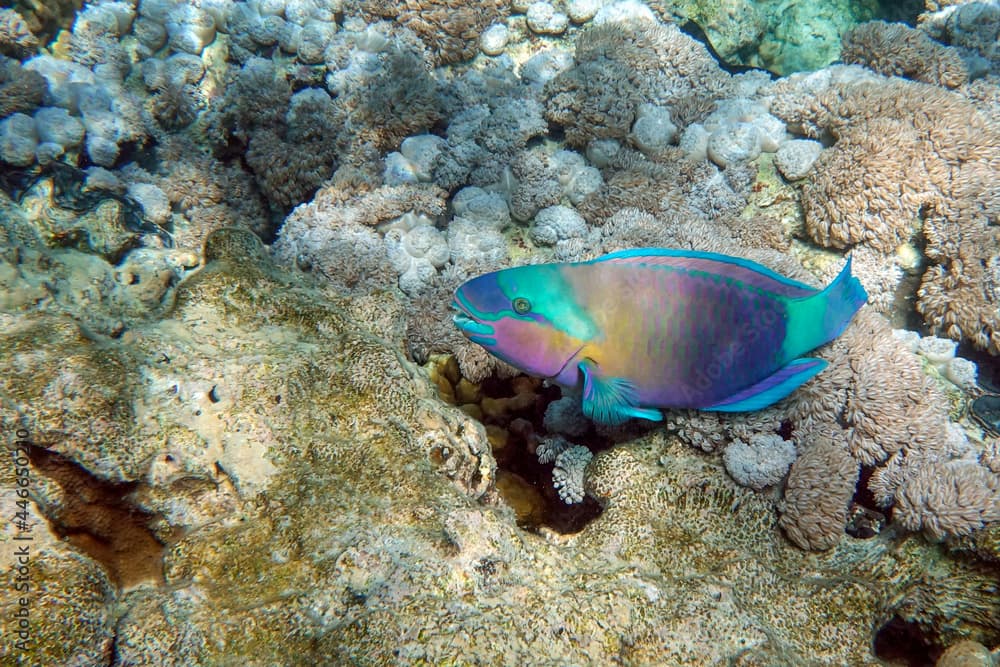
[(525, 316)]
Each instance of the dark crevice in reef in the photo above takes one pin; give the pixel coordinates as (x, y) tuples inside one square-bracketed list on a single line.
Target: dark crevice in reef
[(525, 483), (901, 642), (513, 411), (99, 518), (865, 519)]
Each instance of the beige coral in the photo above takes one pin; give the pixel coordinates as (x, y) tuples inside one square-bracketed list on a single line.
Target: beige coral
[(449, 28), (896, 49), (909, 157), (948, 499), (818, 492), (622, 64)]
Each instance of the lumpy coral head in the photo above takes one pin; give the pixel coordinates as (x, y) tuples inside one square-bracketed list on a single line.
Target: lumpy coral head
[(658, 328)]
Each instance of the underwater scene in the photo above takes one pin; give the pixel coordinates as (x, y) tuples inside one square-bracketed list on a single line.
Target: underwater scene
[(557, 333)]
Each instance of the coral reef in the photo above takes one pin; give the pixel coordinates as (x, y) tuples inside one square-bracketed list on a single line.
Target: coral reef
[(289, 467), (621, 65), (450, 29), (897, 170), (230, 341), (896, 50)]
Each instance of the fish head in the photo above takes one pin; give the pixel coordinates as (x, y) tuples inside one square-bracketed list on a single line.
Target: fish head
[(526, 316)]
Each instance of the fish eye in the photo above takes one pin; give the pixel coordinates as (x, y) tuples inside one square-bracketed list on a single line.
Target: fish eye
[(521, 305)]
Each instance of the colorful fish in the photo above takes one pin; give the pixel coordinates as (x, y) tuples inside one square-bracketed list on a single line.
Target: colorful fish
[(658, 328)]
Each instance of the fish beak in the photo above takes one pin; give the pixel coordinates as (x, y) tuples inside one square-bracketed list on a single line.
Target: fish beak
[(473, 330)]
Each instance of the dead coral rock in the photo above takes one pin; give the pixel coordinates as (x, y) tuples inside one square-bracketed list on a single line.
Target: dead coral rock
[(69, 596), (966, 654), (73, 396), (895, 49), (818, 492), (450, 29)]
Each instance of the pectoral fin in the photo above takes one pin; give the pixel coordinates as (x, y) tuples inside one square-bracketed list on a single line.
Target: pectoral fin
[(771, 389), (611, 400)]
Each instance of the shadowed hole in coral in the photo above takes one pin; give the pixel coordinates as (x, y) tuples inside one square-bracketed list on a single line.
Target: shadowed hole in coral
[(98, 518), (512, 410), (865, 519), (900, 642)]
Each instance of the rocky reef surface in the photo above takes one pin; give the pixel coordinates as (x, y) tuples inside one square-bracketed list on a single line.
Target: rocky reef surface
[(240, 427)]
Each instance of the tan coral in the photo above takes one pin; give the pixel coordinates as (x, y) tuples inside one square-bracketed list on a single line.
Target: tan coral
[(449, 28), (622, 64), (949, 499), (958, 295), (896, 49), (818, 491), (21, 90), (655, 187), (907, 155), (16, 38), (886, 414), (864, 191)]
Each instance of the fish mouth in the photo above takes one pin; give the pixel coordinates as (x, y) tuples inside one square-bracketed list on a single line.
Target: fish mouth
[(473, 329)]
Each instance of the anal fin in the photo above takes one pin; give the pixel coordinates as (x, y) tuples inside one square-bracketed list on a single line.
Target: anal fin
[(771, 389)]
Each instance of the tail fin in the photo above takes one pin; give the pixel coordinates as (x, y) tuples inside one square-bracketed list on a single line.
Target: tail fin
[(821, 317)]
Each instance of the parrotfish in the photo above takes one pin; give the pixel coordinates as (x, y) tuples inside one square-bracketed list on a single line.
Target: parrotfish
[(641, 330)]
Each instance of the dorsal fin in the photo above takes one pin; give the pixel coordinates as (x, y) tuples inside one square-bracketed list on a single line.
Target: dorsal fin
[(737, 268)]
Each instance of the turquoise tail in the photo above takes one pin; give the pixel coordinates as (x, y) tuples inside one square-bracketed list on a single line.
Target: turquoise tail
[(819, 318)]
